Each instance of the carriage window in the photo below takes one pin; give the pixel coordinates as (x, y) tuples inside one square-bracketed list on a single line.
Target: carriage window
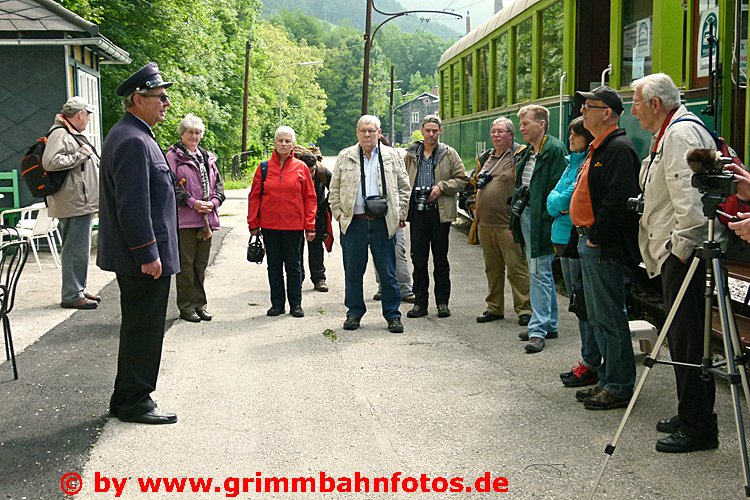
[(523, 58), (444, 94), (706, 18), (484, 78), (456, 75), (468, 84), (637, 33), (552, 49), (501, 78)]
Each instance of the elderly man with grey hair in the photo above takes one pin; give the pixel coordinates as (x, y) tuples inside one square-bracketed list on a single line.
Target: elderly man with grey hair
[(502, 255), (369, 195), (77, 201), (672, 227)]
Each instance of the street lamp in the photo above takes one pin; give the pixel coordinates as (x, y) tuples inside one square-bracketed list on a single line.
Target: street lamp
[(281, 81)]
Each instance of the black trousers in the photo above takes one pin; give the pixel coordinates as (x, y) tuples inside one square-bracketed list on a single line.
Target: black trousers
[(315, 252), (427, 232), (695, 396), (283, 254), (143, 302)]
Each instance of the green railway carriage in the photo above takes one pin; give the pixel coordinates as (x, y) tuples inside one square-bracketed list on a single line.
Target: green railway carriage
[(542, 51)]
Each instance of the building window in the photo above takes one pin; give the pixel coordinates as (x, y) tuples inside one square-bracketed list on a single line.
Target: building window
[(415, 117), (552, 49)]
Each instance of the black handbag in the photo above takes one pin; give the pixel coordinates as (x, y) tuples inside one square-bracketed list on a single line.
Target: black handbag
[(255, 250), (375, 206)]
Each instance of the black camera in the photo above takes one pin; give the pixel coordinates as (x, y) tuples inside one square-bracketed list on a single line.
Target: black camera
[(523, 194), (635, 204), (421, 198), (710, 178), (483, 178)]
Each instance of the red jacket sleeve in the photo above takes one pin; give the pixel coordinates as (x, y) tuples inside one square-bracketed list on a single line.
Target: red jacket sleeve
[(253, 201), (310, 200)]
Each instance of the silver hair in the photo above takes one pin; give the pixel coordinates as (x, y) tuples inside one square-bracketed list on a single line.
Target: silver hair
[(368, 119), (660, 86), (129, 101), (285, 130), (191, 122), (508, 124)]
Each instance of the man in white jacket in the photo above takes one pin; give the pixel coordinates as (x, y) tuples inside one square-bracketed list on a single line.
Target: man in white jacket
[(77, 200), (672, 227)]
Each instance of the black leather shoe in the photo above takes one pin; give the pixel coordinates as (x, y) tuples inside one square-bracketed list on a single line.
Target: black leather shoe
[(377, 296), (351, 323), (487, 316), (443, 311), (191, 316), (523, 319), (153, 417), (80, 304), (679, 442), (417, 311), (668, 425), (275, 311), (203, 314), (395, 326), (297, 311)]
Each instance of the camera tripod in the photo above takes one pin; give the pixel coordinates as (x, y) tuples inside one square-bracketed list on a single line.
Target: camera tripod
[(710, 253)]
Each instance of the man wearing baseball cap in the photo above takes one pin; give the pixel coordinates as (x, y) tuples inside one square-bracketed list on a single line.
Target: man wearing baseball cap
[(138, 241), (77, 201)]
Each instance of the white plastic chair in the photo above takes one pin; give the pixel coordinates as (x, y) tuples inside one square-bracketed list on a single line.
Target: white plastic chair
[(33, 225)]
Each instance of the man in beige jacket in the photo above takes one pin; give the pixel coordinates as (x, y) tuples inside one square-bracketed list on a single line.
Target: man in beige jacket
[(77, 200), (366, 175)]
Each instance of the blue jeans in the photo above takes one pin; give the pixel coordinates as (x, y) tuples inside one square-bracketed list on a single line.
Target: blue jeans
[(590, 355), (604, 289), (354, 243), (76, 236), (283, 254), (542, 286)]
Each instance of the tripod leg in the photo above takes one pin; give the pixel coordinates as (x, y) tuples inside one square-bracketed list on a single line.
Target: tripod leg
[(731, 340), (649, 363)]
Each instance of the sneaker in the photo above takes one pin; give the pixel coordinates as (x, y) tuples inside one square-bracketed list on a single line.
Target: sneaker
[(395, 326), (275, 311), (321, 286), (605, 400), (523, 319), (443, 311), (377, 295), (417, 312), (409, 297), (587, 393), (524, 336), (679, 442), (581, 376), (351, 323), (536, 344), (668, 425)]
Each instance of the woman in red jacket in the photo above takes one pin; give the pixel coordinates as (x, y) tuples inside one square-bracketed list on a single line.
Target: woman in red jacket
[(282, 206)]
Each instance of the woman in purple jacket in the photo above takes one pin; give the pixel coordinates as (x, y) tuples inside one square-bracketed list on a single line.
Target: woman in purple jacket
[(200, 193)]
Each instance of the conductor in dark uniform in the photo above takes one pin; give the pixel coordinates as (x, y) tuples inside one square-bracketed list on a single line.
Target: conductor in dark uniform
[(138, 241)]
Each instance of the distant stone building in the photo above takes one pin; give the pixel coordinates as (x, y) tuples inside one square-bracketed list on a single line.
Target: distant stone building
[(413, 111), (47, 54)]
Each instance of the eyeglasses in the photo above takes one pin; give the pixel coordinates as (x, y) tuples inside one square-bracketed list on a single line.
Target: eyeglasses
[(162, 97), (365, 131), (586, 105)]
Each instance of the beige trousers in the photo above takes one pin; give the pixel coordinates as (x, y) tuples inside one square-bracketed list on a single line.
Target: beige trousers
[(501, 253)]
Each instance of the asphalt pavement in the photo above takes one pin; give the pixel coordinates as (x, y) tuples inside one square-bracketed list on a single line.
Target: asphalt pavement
[(260, 397)]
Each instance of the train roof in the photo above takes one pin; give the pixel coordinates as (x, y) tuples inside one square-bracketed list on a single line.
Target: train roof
[(484, 29)]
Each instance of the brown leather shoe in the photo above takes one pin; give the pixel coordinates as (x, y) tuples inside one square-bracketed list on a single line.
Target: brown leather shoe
[(91, 296), (80, 304)]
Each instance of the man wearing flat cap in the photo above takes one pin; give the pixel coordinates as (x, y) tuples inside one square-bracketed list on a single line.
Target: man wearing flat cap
[(436, 175), (138, 241), (607, 244), (68, 150)]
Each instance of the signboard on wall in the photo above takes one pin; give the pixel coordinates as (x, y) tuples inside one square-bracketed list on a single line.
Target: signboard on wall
[(709, 22)]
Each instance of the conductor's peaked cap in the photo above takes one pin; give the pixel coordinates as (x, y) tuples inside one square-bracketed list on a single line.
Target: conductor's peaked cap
[(148, 77)]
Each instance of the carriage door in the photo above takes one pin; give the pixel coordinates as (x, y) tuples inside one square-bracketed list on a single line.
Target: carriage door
[(592, 44)]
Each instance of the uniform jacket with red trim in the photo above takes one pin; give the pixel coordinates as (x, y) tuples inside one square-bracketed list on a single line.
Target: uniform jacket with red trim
[(137, 205)]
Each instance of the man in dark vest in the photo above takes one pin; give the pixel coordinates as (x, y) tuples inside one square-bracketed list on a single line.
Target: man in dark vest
[(138, 241)]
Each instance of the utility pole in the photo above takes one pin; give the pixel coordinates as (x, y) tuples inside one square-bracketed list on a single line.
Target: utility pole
[(244, 104), (370, 37)]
